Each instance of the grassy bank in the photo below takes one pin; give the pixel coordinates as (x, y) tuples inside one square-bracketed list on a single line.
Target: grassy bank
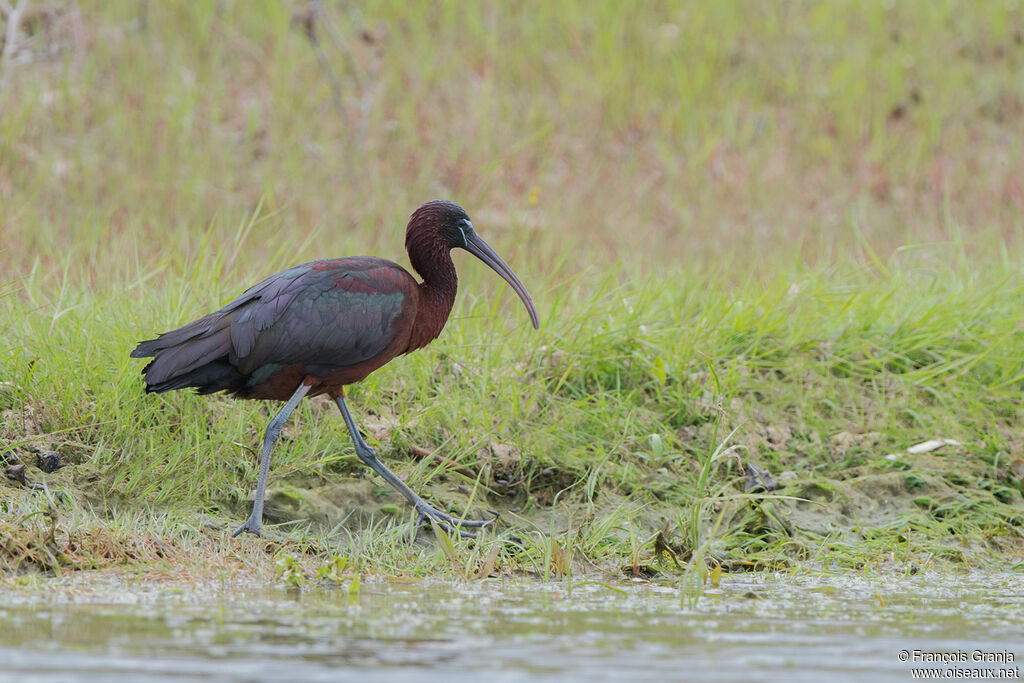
[(786, 237), (634, 409)]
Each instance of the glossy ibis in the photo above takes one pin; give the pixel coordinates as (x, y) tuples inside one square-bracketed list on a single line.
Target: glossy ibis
[(316, 327)]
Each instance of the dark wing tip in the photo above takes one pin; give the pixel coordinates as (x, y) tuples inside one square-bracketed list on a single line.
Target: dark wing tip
[(144, 349)]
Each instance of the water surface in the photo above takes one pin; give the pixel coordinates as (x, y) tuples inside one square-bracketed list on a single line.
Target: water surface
[(752, 628)]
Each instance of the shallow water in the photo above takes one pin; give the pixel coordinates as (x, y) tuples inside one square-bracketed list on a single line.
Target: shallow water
[(752, 628)]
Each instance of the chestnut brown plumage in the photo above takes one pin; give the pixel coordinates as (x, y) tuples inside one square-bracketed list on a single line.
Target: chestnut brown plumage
[(316, 327)]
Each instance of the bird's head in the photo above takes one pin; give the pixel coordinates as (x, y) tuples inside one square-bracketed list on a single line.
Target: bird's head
[(443, 225)]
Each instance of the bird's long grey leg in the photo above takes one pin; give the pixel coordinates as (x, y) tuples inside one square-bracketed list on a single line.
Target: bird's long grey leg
[(252, 525), (369, 457)]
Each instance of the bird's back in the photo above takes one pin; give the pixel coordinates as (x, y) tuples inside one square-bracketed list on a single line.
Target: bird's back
[(335, 319)]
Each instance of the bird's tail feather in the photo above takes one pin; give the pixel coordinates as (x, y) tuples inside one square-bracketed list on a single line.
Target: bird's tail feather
[(195, 355), (207, 379)]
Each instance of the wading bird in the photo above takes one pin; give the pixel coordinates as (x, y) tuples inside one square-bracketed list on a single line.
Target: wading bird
[(316, 327)]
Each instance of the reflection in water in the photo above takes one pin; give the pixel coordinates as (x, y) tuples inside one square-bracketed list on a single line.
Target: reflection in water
[(753, 628)]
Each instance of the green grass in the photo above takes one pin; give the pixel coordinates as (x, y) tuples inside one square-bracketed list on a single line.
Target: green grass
[(776, 372), (786, 235)]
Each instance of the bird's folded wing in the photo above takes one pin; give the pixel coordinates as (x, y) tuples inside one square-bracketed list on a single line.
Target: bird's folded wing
[(337, 313)]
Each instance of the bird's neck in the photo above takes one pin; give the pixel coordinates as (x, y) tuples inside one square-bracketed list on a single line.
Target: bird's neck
[(437, 295)]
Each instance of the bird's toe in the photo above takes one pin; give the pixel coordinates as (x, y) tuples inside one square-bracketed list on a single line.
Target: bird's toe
[(449, 523), (249, 527)]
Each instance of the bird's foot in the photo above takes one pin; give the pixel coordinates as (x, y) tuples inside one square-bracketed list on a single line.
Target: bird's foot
[(251, 526), (427, 512)]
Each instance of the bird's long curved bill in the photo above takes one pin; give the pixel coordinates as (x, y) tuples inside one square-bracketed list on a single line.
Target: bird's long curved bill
[(477, 247)]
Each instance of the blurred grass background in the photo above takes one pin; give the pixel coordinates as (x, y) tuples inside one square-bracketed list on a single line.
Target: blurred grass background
[(578, 133), (794, 220)]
